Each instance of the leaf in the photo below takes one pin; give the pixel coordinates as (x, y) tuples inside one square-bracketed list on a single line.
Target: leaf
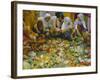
[(26, 65)]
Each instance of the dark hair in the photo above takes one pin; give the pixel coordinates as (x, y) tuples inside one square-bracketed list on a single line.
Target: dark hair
[(59, 14), (40, 25)]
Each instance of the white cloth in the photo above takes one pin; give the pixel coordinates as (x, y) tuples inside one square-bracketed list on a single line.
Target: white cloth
[(66, 24), (80, 21), (48, 24)]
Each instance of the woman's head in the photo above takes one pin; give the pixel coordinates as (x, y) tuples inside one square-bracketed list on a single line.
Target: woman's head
[(80, 16), (67, 20), (60, 16), (40, 25), (47, 17)]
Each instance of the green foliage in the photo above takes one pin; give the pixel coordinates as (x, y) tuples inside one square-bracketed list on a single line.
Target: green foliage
[(58, 53)]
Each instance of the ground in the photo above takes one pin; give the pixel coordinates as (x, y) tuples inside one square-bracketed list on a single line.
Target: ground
[(57, 52)]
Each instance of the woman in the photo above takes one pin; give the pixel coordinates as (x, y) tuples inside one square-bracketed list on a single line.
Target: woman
[(67, 28), (80, 25)]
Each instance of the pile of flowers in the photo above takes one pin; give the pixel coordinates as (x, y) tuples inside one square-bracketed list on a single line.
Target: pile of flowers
[(57, 52)]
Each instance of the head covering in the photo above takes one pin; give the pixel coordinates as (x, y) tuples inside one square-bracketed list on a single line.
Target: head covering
[(67, 19), (40, 18), (81, 16), (47, 15), (80, 22), (67, 23)]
